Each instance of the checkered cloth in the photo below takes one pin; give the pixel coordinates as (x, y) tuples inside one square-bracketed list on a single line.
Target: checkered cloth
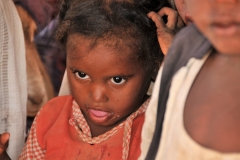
[(32, 149)]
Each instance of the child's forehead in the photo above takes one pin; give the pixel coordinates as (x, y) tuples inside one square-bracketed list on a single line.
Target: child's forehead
[(78, 45)]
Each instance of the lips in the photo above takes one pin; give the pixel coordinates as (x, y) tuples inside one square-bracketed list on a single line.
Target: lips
[(225, 29), (98, 113), (99, 116)]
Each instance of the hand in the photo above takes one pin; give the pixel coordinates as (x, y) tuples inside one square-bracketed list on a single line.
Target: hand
[(166, 32), (4, 138)]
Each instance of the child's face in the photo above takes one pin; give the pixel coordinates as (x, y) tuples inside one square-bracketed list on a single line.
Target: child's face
[(219, 21), (108, 84)]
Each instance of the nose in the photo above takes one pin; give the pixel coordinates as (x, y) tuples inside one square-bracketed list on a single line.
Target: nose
[(98, 93)]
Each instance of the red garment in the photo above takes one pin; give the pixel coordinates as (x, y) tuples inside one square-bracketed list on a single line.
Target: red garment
[(54, 136)]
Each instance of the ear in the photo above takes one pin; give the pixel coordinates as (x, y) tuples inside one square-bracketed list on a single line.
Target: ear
[(28, 24)]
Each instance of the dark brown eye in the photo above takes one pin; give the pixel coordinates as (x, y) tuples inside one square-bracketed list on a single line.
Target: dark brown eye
[(81, 75), (118, 80)]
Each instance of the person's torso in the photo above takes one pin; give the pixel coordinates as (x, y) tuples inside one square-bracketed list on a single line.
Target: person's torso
[(176, 142)]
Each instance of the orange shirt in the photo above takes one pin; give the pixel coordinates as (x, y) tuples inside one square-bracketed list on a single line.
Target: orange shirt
[(57, 133)]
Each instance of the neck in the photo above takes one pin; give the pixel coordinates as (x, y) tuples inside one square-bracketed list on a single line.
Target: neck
[(98, 130)]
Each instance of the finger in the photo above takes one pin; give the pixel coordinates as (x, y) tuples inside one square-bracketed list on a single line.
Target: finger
[(172, 16), (156, 19), (4, 139)]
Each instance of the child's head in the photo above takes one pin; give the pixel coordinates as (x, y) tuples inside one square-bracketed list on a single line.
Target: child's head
[(219, 21), (112, 54)]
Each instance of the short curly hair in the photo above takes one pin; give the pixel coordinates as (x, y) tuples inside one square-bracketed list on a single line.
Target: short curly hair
[(118, 20)]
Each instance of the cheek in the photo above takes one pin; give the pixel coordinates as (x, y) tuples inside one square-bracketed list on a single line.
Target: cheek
[(125, 106), (200, 10), (138, 90), (131, 96), (78, 91), (134, 98)]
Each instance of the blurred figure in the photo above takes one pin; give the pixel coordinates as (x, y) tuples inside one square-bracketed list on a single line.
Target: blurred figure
[(13, 78), (51, 54), (39, 85), (45, 73), (195, 109), (41, 11), (44, 12)]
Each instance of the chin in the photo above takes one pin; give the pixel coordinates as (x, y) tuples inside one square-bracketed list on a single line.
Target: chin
[(227, 47)]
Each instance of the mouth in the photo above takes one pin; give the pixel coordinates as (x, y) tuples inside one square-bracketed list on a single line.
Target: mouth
[(225, 29), (99, 116)]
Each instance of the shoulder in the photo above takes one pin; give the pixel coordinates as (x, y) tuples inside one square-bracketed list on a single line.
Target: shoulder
[(54, 107), (134, 148), (59, 99), (58, 108), (138, 123), (139, 119)]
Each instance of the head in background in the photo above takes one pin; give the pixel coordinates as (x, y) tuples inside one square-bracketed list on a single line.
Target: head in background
[(112, 54), (39, 10), (219, 21)]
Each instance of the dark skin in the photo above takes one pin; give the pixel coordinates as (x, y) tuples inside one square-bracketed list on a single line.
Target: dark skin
[(212, 112), (167, 31), (175, 21), (92, 73)]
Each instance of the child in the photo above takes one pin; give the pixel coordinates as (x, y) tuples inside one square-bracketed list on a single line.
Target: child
[(112, 55), (199, 88)]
